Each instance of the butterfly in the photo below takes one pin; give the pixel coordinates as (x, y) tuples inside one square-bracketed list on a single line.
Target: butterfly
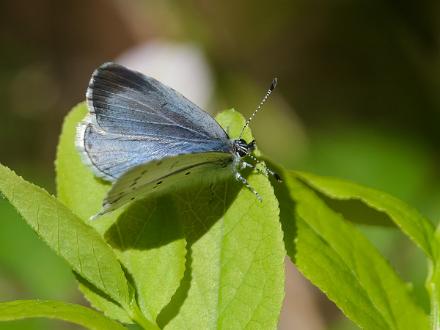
[(144, 136)]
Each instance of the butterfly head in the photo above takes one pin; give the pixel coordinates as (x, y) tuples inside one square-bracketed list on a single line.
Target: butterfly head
[(241, 148)]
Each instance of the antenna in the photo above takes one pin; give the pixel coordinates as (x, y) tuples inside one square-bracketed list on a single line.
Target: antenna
[(269, 91)]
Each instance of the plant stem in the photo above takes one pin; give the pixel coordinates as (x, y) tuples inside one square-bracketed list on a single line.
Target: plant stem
[(434, 306), (432, 285), (137, 316)]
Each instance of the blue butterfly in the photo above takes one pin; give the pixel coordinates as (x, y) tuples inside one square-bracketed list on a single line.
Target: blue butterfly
[(144, 136)]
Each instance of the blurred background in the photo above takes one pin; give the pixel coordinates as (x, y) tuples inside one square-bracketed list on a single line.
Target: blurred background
[(357, 98)]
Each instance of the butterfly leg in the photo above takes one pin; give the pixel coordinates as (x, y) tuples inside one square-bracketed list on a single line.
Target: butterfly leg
[(266, 170), (237, 164), (244, 165), (274, 174), (240, 178)]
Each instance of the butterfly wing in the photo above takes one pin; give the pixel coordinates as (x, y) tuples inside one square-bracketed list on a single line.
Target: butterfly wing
[(135, 119), (157, 175)]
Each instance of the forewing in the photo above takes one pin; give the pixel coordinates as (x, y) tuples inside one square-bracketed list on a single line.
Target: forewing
[(162, 174), (124, 101)]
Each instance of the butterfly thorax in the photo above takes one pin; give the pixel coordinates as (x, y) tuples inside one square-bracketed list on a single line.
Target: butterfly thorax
[(241, 148)]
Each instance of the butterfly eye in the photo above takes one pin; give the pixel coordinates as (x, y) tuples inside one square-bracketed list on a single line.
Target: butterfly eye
[(240, 147), (242, 152)]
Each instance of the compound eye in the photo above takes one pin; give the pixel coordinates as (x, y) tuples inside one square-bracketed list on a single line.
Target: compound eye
[(241, 152)]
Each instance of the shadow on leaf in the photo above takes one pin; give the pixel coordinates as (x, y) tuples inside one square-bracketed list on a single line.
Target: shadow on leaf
[(146, 224), (287, 207), (188, 213), (353, 210)]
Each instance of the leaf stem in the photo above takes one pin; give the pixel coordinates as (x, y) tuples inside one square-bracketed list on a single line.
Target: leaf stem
[(137, 316), (434, 307), (432, 287)]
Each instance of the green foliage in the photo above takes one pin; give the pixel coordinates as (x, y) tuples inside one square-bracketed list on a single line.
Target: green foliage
[(211, 255), (67, 235), (344, 264), (21, 309), (411, 222)]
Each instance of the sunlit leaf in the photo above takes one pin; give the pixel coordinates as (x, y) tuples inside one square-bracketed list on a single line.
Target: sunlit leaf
[(235, 266), (79, 244), (338, 259), (147, 239), (86, 317), (100, 301), (408, 219)]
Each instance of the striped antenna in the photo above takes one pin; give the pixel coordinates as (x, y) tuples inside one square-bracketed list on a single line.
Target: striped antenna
[(269, 91)]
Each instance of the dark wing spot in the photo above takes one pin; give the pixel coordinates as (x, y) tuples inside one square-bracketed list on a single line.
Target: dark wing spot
[(132, 199), (157, 184), (187, 173), (116, 199)]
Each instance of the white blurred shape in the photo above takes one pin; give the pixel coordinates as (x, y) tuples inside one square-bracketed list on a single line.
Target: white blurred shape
[(180, 66)]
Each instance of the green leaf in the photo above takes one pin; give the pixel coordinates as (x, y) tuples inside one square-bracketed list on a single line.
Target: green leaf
[(338, 259), (100, 301), (408, 219), (86, 317), (74, 180), (149, 242), (234, 269), (147, 237), (235, 262), (79, 244)]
